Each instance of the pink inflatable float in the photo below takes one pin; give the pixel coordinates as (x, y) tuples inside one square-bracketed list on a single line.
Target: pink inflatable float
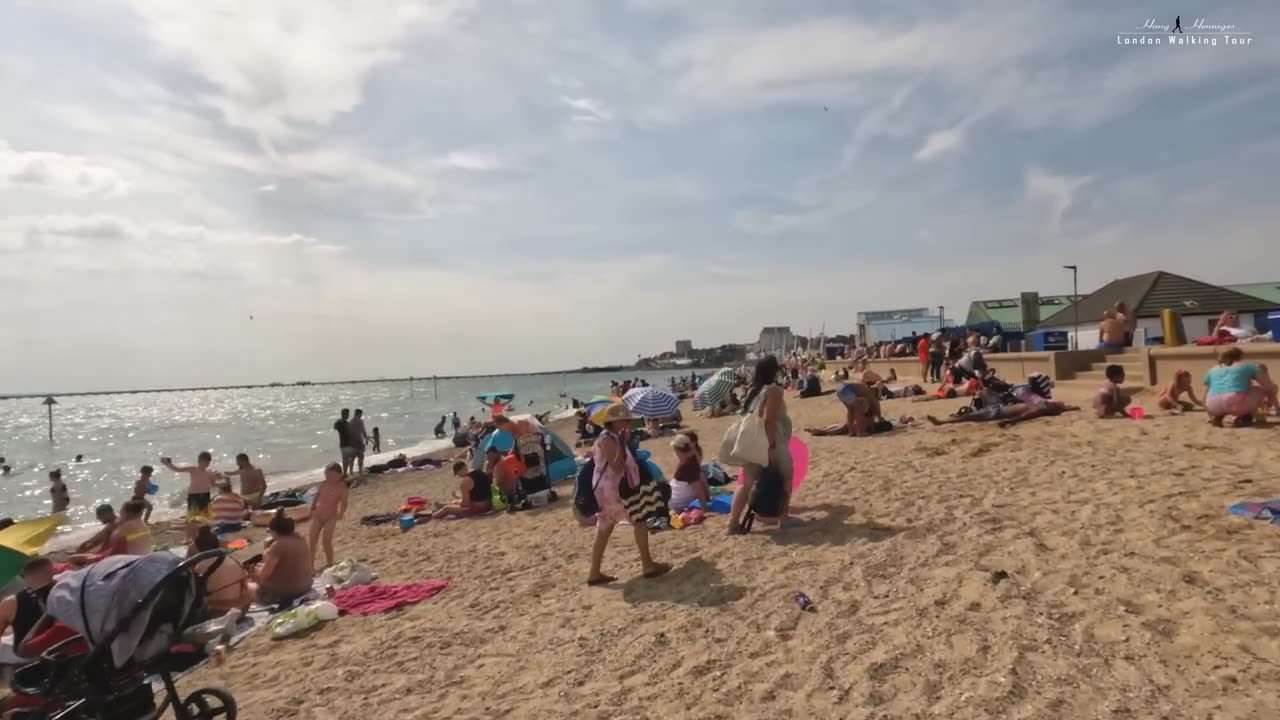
[(799, 463)]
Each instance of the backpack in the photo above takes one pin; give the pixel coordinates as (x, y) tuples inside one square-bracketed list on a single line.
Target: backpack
[(584, 492), (766, 495)]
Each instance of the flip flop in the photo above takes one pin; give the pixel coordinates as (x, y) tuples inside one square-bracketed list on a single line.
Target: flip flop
[(602, 580), (659, 571)]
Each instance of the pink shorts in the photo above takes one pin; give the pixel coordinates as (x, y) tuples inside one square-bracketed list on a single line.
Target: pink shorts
[(1237, 404)]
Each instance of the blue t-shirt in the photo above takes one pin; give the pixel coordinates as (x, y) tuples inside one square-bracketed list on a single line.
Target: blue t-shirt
[(1230, 379)]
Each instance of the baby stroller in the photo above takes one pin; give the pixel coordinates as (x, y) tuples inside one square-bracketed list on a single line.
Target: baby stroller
[(141, 607)]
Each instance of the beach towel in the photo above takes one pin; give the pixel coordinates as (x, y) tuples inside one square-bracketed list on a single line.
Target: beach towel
[(1268, 510), (376, 599)]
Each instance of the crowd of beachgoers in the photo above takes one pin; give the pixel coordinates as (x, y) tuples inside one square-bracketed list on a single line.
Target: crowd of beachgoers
[(614, 483)]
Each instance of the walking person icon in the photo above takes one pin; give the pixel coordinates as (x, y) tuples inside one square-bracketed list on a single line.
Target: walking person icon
[(1177, 24)]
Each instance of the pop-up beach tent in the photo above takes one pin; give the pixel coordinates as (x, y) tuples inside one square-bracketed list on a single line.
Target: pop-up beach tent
[(561, 464)]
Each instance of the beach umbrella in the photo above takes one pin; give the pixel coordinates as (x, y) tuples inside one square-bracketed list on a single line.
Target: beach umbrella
[(22, 541), (651, 402), (595, 407), (715, 390)]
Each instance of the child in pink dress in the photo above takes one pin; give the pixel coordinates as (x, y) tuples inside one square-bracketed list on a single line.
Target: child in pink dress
[(327, 508)]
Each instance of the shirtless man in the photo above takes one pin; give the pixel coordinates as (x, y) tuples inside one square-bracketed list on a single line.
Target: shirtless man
[(1111, 400), (1111, 332), (200, 489), (1129, 319), (862, 407), (253, 482), (58, 490), (359, 438)]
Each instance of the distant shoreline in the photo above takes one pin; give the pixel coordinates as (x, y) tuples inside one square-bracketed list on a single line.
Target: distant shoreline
[(307, 383)]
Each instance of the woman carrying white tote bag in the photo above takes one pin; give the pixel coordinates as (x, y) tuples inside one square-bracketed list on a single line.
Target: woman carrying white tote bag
[(766, 420)]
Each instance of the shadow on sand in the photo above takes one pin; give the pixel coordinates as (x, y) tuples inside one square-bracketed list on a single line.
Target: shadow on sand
[(831, 528), (697, 583)]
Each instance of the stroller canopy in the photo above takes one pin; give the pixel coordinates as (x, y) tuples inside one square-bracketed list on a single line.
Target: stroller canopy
[(96, 600)]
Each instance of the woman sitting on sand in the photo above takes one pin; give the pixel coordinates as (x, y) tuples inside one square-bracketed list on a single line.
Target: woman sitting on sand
[(228, 587), (1170, 394), (1235, 388), (286, 567), (614, 466), (688, 483)]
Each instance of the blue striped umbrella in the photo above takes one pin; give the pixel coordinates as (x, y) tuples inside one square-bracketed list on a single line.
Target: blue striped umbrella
[(651, 402), (714, 390)]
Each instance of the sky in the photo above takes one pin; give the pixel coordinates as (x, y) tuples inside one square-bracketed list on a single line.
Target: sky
[(233, 192)]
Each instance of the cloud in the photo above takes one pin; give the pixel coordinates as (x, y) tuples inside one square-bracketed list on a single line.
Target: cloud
[(476, 159), (325, 165), (588, 109), (1057, 191), (275, 65), (941, 142), (58, 174)]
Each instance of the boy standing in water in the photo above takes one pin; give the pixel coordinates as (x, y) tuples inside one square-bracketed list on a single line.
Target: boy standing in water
[(376, 439), (141, 487), (253, 482), (201, 484), (327, 508)]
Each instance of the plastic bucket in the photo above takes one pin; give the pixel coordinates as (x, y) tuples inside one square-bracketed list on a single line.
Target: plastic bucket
[(1137, 413)]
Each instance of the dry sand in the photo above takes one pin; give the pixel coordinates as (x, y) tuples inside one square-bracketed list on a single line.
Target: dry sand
[(1130, 592)]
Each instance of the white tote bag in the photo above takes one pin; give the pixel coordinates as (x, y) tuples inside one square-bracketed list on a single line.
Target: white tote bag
[(752, 443)]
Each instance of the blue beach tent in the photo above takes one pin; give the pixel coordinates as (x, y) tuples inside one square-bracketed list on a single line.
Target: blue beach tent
[(561, 464)]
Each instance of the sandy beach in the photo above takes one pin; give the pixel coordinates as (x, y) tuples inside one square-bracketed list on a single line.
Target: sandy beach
[(1066, 568)]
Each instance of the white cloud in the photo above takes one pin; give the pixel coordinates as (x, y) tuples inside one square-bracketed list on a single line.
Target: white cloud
[(56, 173), (268, 188), (588, 109), (941, 142), (1057, 191), (475, 159), (276, 64)]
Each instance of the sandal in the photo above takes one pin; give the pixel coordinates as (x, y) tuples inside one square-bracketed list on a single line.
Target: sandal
[(602, 580)]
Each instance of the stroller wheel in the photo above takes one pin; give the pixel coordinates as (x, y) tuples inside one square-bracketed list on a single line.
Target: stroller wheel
[(210, 703)]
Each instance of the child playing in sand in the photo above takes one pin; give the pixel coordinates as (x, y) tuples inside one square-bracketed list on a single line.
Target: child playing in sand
[(1111, 400), (327, 508), (1170, 394)]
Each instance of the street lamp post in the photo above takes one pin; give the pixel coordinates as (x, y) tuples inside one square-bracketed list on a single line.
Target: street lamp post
[(1075, 300), (942, 317)]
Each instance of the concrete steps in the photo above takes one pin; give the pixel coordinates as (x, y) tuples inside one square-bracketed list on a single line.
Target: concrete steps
[(1133, 360)]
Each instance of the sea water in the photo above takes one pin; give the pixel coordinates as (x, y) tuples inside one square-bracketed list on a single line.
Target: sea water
[(287, 431)]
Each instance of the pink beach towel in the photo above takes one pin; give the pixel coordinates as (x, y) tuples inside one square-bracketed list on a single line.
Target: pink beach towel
[(375, 599)]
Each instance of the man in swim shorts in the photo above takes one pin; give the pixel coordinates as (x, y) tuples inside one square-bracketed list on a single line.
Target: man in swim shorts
[(359, 438), (348, 451), (253, 482), (1111, 332)]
